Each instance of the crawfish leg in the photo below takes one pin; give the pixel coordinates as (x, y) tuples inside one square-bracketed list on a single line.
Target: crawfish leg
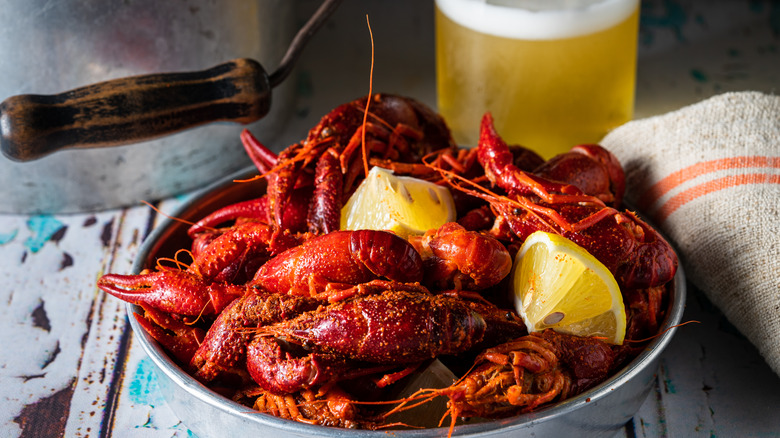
[(252, 209)]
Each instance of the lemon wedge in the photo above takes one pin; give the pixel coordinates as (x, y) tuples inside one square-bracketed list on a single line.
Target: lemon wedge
[(558, 284), (401, 204)]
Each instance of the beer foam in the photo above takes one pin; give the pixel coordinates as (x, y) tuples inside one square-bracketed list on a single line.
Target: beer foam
[(538, 20)]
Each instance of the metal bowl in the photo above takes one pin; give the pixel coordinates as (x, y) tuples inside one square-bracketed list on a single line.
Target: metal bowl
[(599, 412)]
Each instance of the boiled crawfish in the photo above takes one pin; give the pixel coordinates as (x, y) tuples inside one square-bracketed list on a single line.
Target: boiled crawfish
[(320, 265), (311, 180), (283, 306), (633, 251), (391, 328), (326, 266), (523, 374), (332, 407)]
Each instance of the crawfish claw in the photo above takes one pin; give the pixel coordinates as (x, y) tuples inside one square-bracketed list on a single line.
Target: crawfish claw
[(171, 291)]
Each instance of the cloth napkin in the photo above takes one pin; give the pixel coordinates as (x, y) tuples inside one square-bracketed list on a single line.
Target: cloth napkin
[(709, 176)]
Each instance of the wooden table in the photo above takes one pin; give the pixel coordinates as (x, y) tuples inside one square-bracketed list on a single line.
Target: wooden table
[(70, 367)]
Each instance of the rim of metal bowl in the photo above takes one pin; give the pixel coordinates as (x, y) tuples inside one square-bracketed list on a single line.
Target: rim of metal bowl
[(202, 393)]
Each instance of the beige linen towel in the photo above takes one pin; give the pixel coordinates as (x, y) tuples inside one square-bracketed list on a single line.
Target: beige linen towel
[(709, 176)]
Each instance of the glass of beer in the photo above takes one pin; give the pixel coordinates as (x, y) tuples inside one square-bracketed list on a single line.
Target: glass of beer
[(553, 73)]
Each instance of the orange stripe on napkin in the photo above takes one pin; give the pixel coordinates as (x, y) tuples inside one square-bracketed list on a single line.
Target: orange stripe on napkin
[(708, 187), (674, 179)]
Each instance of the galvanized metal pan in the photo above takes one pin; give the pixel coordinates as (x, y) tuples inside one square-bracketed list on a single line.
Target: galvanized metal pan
[(599, 412), (132, 110)]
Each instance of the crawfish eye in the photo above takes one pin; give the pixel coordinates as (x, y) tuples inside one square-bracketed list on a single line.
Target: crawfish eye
[(508, 316), (516, 211), (326, 132)]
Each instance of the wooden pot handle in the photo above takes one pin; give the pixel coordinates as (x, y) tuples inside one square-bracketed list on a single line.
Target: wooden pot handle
[(132, 109)]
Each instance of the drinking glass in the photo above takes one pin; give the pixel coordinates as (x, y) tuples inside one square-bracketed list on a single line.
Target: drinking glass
[(553, 73)]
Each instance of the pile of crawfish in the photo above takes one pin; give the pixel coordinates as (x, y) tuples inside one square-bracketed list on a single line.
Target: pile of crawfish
[(282, 311)]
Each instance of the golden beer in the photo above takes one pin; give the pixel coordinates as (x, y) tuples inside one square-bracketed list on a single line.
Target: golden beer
[(552, 79)]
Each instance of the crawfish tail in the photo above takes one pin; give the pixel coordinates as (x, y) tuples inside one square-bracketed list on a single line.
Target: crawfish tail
[(590, 168), (617, 176), (386, 255), (276, 371), (223, 258)]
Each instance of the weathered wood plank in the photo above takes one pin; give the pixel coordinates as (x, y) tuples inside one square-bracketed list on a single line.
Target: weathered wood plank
[(105, 341), (49, 269)]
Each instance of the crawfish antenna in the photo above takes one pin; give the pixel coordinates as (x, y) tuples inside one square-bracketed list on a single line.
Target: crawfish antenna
[(368, 101), (174, 218)]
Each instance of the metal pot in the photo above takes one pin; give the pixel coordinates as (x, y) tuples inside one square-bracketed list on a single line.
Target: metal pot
[(48, 47)]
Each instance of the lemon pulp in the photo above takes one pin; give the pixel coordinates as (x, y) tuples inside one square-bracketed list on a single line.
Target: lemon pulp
[(401, 204), (557, 284)]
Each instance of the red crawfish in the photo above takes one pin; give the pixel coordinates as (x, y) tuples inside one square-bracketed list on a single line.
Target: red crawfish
[(633, 251), (222, 352), (332, 161), (523, 374), (321, 265), (392, 328)]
